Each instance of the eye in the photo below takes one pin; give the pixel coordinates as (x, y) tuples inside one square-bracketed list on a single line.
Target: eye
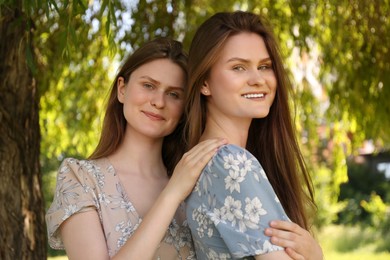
[(265, 67), (174, 94), (238, 68), (148, 86)]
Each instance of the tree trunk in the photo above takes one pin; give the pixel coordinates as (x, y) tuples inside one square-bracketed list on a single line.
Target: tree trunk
[(22, 226)]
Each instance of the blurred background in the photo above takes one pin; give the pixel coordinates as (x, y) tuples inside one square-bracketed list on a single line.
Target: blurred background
[(337, 54)]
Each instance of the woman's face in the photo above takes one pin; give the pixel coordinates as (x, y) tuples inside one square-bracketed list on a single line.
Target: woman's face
[(153, 98), (242, 83)]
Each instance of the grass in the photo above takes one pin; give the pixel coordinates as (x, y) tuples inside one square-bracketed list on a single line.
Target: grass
[(351, 243), (341, 243)]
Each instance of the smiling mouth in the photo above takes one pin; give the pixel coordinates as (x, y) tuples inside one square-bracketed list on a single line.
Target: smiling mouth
[(153, 116), (250, 96)]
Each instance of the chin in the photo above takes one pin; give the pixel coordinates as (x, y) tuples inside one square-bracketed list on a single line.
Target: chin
[(262, 115)]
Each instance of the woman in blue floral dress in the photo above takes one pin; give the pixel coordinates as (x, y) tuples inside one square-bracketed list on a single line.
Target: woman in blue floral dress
[(125, 201), (238, 90)]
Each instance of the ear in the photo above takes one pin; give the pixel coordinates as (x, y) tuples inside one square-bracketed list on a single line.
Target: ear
[(121, 87), (205, 90)]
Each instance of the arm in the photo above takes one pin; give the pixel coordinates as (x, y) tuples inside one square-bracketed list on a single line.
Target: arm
[(277, 255), (299, 243), (232, 202), (83, 235)]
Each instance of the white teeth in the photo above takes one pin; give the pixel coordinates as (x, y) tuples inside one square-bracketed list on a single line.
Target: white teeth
[(253, 95)]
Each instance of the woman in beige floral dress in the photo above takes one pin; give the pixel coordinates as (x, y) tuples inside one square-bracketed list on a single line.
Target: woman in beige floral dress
[(126, 200)]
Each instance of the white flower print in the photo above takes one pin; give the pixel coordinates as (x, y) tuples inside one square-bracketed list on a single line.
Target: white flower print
[(246, 164), (126, 229), (209, 163), (217, 215), (103, 198), (66, 192), (196, 214), (232, 182), (111, 170), (94, 170), (196, 189), (64, 169), (183, 238), (230, 162), (213, 255), (201, 220), (243, 172), (233, 210), (99, 177), (127, 206), (254, 209), (172, 232), (262, 173), (69, 211), (266, 247), (210, 232)]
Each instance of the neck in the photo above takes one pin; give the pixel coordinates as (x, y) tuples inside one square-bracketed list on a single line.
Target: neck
[(139, 154), (235, 130)]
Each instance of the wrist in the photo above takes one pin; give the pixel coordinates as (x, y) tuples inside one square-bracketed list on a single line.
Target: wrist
[(170, 198)]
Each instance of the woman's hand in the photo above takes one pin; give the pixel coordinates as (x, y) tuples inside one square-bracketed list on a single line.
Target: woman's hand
[(299, 244), (189, 168)]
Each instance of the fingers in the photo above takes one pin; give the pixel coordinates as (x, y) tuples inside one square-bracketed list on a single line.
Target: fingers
[(283, 238), (287, 225), (189, 168), (287, 234), (200, 154), (285, 230), (299, 243)]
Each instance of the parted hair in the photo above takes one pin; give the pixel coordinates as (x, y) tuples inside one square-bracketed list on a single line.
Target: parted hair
[(114, 123), (272, 140)]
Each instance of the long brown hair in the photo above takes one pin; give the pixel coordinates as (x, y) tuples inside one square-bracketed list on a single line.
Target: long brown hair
[(114, 124), (272, 139)]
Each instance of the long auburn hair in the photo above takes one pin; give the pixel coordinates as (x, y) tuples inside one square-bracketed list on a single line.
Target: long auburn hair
[(114, 124), (272, 140)]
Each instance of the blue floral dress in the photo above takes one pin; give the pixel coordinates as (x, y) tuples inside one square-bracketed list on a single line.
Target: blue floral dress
[(93, 185), (231, 205)]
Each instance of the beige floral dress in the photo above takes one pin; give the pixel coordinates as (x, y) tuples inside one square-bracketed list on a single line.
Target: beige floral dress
[(84, 185)]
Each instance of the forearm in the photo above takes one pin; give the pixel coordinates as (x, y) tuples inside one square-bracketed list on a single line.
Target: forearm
[(152, 229), (155, 224), (277, 255)]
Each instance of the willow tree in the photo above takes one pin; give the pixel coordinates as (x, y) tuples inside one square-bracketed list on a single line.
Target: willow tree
[(30, 62), (21, 215)]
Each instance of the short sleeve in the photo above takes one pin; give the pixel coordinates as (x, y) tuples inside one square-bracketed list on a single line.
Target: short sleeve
[(237, 203), (74, 193)]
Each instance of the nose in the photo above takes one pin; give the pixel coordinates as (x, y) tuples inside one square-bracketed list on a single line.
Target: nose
[(256, 78), (157, 100)]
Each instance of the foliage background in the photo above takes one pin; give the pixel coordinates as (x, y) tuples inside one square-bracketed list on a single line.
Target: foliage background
[(337, 53)]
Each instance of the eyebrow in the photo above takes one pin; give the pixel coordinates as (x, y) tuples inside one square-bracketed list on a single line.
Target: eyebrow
[(151, 79), (246, 60), (156, 82)]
